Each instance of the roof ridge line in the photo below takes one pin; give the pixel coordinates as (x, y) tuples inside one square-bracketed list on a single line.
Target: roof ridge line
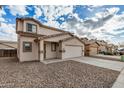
[(55, 35)]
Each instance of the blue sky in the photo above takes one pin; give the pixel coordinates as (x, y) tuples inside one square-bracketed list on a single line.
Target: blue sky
[(91, 21)]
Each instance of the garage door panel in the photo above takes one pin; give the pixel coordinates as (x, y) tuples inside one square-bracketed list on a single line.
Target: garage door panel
[(73, 51)]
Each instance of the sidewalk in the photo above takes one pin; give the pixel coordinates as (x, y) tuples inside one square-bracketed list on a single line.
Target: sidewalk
[(119, 83)]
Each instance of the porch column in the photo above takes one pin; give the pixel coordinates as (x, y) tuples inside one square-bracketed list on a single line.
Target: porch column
[(62, 50), (41, 50)]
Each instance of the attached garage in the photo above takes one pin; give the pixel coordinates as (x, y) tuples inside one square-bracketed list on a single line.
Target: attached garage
[(73, 51), (72, 48)]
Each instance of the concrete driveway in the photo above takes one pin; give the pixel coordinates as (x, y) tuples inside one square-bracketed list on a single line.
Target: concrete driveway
[(108, 57), (114, 65)]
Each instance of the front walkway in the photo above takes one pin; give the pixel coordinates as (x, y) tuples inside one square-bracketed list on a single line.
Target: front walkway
[(114, 65), (48, 61)]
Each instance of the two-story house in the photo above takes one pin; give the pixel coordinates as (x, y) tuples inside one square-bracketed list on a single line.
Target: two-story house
[(37, 42)]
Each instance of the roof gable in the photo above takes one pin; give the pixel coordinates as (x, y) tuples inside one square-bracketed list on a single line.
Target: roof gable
[(73, 37), (40, 24)]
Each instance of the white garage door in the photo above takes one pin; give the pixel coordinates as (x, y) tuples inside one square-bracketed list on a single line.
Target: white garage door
[(93, 51), (73, 51)]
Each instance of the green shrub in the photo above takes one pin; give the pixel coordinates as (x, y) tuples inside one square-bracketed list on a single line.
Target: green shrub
[(108, 53)]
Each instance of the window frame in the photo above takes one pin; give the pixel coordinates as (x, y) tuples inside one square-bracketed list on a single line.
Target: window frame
[(24, 49), (27, 29), (53, 46)]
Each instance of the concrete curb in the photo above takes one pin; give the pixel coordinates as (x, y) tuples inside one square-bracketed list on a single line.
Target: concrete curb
[(119, 83)]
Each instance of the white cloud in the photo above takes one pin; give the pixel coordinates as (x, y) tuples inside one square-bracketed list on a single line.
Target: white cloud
[(7, 32), (38, 12), (53, 12), (18, 10), (62, 19), (2, 19), (104, 25), (2, 13), (101, 26), (93, 7), (113, 10)]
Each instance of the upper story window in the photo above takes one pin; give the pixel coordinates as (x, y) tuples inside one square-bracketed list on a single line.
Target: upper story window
[(31, 27)]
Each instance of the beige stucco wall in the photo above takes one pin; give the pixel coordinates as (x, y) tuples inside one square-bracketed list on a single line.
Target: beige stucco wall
[(72, 42), (45, 31), (19, 26), (28, 56), (50, 54)]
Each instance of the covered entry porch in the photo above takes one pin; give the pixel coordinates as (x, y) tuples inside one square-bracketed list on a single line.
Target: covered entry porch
[(52, 50)]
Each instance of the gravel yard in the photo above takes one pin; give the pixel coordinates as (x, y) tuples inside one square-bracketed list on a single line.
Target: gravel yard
[(62, 74)]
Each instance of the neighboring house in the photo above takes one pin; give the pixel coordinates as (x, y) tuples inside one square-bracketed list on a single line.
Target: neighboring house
[(91, 47), (102, 46), (39, 42), (111, 48), (8, 49), (121, 45)]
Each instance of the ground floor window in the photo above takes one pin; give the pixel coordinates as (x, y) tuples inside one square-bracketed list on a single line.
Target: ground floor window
[(27, 46)]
